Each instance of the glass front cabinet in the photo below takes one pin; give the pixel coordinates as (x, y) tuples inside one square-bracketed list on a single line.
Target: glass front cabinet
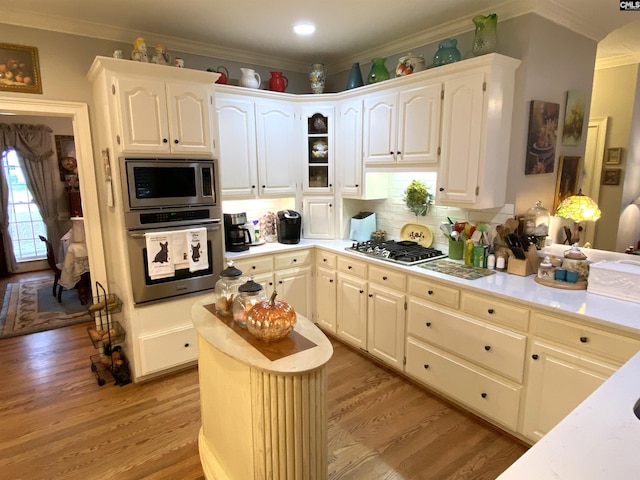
[(319, 149)]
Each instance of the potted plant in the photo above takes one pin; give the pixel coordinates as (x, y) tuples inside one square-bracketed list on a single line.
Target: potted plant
[(417, 198)]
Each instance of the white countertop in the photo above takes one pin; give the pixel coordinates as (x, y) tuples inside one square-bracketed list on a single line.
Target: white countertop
[(599, 440)]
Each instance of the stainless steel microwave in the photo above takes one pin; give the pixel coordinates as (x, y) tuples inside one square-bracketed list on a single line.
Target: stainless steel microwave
[(168, 183)]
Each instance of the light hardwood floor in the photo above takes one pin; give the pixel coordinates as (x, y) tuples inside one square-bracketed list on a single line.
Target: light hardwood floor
[(57, 423)]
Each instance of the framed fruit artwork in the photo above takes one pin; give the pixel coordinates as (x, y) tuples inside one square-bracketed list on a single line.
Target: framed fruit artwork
[(19, 69)]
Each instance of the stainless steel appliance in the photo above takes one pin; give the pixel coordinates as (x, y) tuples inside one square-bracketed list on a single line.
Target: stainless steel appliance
[(237, 237), (405, 252), (171, 196), (289, 226)]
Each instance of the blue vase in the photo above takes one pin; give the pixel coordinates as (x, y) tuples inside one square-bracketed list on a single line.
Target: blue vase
[(447, 52), (355, 77)]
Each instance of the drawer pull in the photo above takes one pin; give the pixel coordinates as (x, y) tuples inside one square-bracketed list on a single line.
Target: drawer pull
[(280, 282), (324, 259), (331, 280), (384, 278), (361, 291), (487, 347), (295, 260), (430, 292), (426, 365), (584, 339), (371, 295), (186, 345), (253, 267), (349, 267), (490, 311), (483, 395), (535, 356), (428, 324)]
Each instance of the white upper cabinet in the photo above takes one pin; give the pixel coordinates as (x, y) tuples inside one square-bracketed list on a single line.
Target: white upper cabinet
[(166, 118), (237, 132), (402, 126), (476, 131), (318, 132)]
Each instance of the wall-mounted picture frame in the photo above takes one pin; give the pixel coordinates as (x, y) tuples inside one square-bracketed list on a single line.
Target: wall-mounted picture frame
[(567, 179), (19, 69), (542, 137), (66, 150), (611, 176), (614, 156), (574, 117)]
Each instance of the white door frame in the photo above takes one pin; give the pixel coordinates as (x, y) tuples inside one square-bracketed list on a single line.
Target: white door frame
[(592, 168)]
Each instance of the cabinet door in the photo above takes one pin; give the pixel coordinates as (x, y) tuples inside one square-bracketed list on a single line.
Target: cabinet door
[(143, 107), (190, 120), (352, 311), (319, 149), (294, 286), (385, 325), (278, 148), (318, 217), (419, 124), (462, 125), (238, 160), (267, 281), (379, 136), (558, 381), (349, 147), (326, 296)]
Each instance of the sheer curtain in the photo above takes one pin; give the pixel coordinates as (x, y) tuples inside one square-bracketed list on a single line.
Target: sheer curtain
[(32, 143)]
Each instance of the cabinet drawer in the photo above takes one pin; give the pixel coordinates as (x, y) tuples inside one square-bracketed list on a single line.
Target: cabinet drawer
[(352, 267), (388, 278), (487, 345), (486, 394), (588, 340), (168, 349), (292, 259), (495, 311), (250, 266), (434, 292), (326, 259)]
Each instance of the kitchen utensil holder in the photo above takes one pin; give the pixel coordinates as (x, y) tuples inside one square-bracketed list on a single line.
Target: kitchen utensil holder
[(525, 267)]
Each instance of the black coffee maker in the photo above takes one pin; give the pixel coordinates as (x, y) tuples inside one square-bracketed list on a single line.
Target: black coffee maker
[(236, 237), (289, 226)]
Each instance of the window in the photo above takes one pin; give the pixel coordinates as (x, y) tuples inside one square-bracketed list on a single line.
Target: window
[(25, 221)]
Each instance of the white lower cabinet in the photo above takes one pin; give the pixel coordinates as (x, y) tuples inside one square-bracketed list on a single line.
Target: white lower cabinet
[(487, 394), (294, 287), (352, 310), (385, 325), (168, 349), (326, 299)]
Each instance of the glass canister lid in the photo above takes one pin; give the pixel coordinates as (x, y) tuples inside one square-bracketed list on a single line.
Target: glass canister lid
[(250, 287), (537, 220), (575, 253), (230, 271)]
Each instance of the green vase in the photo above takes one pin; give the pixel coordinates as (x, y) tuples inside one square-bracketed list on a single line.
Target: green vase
[(378, 71), (486, 38), (447, 52)]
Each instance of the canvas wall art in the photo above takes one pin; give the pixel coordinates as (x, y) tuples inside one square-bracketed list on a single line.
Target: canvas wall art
[(574, 118), (542, 137)]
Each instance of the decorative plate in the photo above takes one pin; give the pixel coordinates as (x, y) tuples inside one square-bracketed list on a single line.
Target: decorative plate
[(417, 233)]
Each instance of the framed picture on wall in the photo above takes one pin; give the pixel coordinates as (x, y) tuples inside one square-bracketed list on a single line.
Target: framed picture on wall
[(66, 150), (614, 156), (19, 69), (567, 179), (542, 137), (573, 118), (611, 176)]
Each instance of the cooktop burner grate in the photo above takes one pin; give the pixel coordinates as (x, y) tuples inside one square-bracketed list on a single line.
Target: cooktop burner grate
[(405, 252)]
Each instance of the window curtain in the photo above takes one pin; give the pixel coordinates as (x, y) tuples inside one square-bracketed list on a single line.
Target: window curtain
[(33, 145)]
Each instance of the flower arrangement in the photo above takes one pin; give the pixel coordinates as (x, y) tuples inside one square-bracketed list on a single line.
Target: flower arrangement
[(417, 198)]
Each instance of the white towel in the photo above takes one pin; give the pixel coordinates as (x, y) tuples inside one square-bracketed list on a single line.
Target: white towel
[(180, 249), (197, 241), (159, 255)]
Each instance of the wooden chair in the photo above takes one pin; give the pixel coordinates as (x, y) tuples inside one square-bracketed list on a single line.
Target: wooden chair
[(56, 267)]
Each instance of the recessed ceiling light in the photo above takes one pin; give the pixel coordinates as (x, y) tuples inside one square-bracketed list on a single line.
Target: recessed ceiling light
[(304, 28)]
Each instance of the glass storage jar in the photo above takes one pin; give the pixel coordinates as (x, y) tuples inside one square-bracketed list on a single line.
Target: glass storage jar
[(226, 289), (249, 294), (536, 223)]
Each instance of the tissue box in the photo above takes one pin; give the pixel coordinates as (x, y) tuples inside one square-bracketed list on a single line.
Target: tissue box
[(618, 279)]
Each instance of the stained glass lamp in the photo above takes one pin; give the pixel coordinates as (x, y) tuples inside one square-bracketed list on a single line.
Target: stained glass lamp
[(578, 208)]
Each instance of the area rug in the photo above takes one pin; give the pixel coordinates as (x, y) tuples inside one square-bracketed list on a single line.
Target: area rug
[(30, 307)]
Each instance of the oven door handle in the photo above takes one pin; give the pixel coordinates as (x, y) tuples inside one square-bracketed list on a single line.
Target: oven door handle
[(209, 226)]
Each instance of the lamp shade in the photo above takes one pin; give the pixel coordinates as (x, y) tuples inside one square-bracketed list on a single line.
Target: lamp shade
[(579, 208)]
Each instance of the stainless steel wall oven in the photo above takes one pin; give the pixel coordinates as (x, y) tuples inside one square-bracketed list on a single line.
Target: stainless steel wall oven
[(171, 197)]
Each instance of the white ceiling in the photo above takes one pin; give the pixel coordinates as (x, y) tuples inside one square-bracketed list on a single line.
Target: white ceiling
[(347, 30)]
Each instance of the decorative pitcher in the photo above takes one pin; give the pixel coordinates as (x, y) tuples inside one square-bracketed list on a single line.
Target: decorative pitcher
[(317, 77), (447, 52), (355, 77), (486, 39), (378, 71), (278, 82), (249, 78), (224, 74)]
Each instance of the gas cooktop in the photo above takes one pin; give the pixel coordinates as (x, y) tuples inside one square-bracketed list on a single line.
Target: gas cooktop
[(405, 252)]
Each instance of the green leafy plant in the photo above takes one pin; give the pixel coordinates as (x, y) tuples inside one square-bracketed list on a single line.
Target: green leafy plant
[(417, 198)]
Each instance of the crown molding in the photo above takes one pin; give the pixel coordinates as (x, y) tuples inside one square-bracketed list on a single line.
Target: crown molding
[(618, 61)]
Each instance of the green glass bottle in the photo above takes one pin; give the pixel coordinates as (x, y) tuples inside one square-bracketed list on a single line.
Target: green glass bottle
[(378, 71)]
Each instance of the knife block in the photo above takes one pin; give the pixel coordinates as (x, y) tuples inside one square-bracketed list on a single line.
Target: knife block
[(526, 267)]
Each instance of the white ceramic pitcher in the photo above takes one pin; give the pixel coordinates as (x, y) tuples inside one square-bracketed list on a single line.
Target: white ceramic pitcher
[(249, 78)]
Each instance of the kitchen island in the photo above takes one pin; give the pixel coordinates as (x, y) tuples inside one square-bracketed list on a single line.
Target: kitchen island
[(264, 410)]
